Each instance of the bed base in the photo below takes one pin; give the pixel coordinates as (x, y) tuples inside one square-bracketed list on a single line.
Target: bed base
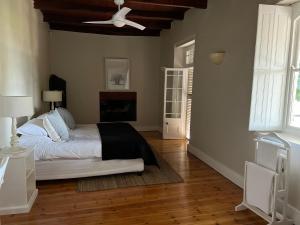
[(78, 168)]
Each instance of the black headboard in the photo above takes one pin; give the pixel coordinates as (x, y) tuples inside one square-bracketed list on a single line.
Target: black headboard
[(58, 84)]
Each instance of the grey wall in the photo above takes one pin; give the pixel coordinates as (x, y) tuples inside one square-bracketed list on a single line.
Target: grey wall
[(24, 66), (222, 94), (79, 59)]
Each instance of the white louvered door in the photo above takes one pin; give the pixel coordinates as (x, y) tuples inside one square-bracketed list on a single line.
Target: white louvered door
[(270, 68), (175, 103), (189, 101)]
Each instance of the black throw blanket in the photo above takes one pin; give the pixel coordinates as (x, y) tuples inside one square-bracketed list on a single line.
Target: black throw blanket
[(122, 141)]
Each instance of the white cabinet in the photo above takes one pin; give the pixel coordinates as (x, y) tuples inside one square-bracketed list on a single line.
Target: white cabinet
[(19, 191)]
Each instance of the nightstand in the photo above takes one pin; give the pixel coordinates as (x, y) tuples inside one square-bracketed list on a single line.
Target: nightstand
[(18, 193)]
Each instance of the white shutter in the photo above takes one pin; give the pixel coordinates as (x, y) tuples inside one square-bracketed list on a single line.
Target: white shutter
[(270, 67), (189, 102)]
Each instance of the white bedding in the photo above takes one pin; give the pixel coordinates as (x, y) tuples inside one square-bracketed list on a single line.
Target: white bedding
[(84, 143)]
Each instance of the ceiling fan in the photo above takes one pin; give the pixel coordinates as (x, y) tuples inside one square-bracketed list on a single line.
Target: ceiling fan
[(119, 18)]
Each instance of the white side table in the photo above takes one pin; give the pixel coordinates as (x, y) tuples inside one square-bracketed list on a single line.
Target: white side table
[(18, 192)]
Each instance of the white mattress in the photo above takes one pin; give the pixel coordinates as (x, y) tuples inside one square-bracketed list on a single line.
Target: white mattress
[(84, 143)]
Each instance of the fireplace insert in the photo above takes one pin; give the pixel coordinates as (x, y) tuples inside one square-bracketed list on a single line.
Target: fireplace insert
[(117, 106)]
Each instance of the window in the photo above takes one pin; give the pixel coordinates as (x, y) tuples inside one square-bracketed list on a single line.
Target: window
[(293, 111), (189, 55)]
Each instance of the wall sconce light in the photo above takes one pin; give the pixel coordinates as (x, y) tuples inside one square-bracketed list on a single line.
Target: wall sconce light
[(217, 58)]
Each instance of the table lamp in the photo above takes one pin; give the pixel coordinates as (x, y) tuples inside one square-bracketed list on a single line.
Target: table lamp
[(52, 96), (14, 107)]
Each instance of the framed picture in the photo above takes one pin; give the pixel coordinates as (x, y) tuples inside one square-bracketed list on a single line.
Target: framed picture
[(117, 73)]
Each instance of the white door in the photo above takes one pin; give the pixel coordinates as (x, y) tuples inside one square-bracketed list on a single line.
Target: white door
[(175, 103)]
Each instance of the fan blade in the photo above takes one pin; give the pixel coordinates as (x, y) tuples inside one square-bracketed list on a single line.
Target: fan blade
[(134, 24), (122, 12), (100, 22)]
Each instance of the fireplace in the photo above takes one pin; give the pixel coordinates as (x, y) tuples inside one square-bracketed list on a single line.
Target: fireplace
[(117, 106)]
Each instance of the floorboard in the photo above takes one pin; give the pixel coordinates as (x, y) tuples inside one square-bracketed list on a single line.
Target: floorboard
[(205, 198)]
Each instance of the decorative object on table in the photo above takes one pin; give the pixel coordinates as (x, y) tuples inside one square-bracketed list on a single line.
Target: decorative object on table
[(52, 97), (15, 107), (119, 18), (217, 58), (117, 74), (18, 192)]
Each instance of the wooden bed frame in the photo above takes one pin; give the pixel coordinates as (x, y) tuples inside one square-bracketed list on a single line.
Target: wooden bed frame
[(78, 168)]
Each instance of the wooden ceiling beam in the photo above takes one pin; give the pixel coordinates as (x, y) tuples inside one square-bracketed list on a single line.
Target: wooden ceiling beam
[(89, 14), (156, 15), (202, 4), (109, 3), (103, 29), (77, 18), (103, 6)]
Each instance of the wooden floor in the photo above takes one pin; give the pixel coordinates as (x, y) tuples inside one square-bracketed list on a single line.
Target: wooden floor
[(205, 198)]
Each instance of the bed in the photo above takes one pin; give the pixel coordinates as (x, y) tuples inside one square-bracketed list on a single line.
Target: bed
[(92, 150)]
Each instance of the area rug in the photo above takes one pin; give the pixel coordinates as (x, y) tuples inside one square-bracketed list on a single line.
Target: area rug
[(151, 176)]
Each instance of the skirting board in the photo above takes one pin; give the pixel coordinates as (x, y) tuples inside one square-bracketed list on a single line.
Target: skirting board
[(221, 168), (233, 176), (147, 128), (20, 209)]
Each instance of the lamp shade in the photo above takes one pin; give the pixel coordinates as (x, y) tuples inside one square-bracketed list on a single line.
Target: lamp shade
[(16, 106), (52, 96)]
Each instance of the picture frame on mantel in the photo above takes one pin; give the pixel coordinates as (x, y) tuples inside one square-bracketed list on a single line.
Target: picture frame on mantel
[(117, 72)]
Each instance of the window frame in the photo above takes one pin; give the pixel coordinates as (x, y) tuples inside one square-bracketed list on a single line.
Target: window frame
[(287, 127)]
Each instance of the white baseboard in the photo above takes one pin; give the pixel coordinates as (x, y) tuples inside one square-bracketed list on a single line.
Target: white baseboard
[(221, 168), (295, 214), (160, 129), (233, 176), (147, 128)]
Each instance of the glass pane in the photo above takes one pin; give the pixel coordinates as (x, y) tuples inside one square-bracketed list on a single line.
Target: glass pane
[(170, 81), (174, 95), (179, 81), (295, 108), (170, 72), (173, 116), (174, 82), (173, 107)]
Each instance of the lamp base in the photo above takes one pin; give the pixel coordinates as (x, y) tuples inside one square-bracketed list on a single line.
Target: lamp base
[(12, 150)]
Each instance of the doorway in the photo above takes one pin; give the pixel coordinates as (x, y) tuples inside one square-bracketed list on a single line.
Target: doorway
[(178, 92), (184, 58)]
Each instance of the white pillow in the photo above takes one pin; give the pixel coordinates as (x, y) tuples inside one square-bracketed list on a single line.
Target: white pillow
[(42, 116), (67, 117), (33, 127), (59, 125), (50, 130)]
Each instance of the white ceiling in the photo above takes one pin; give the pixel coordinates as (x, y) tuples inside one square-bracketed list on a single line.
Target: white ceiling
[(287, 2)]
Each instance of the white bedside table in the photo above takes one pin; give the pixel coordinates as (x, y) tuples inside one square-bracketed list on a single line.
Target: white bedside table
[(18, 193)]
